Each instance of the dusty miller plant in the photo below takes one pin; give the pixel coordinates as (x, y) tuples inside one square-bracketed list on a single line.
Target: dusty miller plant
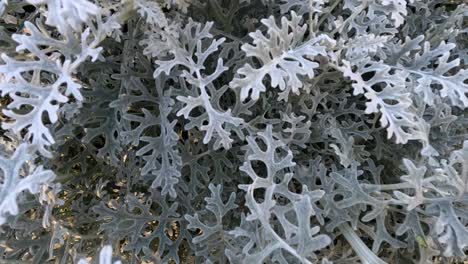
[(233, 131)]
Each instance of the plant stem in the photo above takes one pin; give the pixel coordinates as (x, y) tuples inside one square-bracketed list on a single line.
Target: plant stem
[(363, 252)]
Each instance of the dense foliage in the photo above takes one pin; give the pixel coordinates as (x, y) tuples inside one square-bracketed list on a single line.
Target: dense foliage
[(233, 131)]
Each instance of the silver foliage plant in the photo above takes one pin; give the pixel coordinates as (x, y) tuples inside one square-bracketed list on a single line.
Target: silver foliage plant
[(233, 131)]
